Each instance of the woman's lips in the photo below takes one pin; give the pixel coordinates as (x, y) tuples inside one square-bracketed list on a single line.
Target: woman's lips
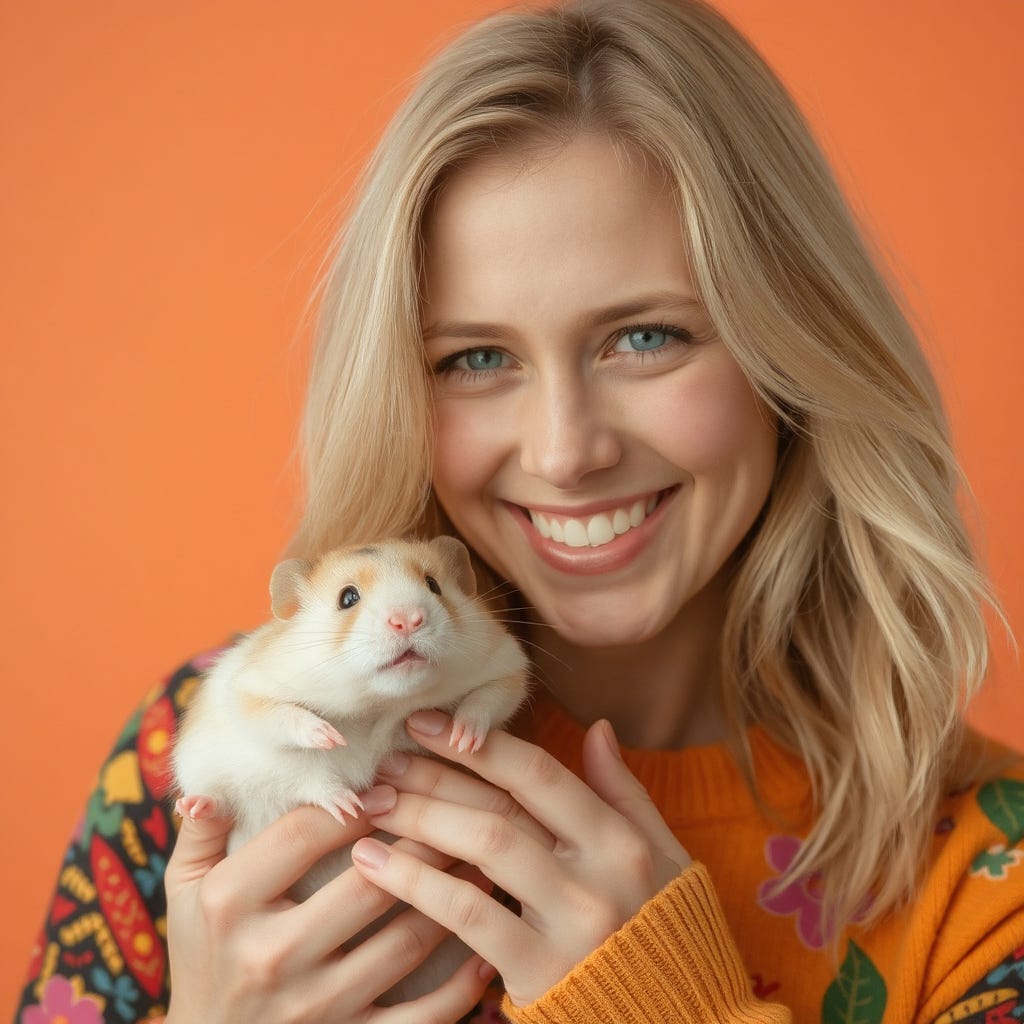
[(580, 544)]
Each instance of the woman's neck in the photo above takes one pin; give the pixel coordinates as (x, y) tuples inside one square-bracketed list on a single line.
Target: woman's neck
[(658, 694)]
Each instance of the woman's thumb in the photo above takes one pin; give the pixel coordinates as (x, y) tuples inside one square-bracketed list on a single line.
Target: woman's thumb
[(609, 776), (202, 842)]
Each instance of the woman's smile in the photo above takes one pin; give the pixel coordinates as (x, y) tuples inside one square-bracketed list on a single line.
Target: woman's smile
[(592, 539), (587, 527), (596, 443)]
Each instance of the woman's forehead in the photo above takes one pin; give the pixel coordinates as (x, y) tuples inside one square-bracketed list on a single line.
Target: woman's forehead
[(580, 219)]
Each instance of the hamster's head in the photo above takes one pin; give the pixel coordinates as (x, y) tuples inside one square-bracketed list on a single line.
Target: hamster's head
[(391, 615)]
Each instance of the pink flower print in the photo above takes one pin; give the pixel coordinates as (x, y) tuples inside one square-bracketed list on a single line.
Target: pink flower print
[(61, 1005), (801, 897)]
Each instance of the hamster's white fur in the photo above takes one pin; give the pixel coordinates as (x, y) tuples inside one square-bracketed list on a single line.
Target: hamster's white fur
[(303, 709)]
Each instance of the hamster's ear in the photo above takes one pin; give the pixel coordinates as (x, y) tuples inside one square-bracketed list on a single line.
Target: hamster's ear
[(286, 585), (456, 557)]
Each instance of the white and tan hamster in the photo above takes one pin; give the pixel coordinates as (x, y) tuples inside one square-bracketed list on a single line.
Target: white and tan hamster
[(303, 709)]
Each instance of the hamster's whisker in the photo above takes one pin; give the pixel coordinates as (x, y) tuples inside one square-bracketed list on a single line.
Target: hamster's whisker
[(504, 621), (544, 650), (492, 597), (501, 584), (523, 622)]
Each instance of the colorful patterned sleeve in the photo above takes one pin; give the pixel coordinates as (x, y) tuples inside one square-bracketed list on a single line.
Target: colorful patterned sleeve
[(101, 955), (998, 998)]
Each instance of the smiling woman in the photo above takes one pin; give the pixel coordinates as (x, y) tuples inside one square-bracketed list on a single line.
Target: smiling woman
[(601, 311), (611, 417)]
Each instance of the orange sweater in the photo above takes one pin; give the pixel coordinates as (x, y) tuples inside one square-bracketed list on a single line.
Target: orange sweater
[(719, 944)]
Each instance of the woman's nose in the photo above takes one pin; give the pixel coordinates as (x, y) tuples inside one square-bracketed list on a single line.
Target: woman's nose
[(566, 433)]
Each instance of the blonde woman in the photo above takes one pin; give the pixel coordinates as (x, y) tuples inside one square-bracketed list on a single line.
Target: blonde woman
[(601, 311)]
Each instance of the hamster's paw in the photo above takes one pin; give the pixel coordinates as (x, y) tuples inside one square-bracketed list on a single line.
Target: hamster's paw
[(195, 808), (342, 802), (468, 732), (323, 735)]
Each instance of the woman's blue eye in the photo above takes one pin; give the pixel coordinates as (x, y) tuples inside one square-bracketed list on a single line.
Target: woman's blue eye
[(645, 341), (473, 365), (651, 338), (483, 359)]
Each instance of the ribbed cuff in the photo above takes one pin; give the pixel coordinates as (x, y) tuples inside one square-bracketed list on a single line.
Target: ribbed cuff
[(674, 962)]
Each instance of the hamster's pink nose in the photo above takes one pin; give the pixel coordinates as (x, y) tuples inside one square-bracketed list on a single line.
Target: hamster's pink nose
[(405, 621)]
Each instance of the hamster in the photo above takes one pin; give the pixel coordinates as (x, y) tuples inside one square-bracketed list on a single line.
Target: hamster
[(304, 708)]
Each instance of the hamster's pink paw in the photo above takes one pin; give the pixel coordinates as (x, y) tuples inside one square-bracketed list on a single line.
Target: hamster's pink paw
[(324, 736), (195, 808), (468, 733), (342, 802)]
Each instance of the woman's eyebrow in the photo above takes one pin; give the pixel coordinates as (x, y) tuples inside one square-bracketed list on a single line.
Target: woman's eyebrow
[(595, 318)]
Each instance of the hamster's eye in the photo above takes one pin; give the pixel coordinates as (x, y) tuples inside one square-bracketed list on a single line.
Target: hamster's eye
[(348, 597), (433, 585)]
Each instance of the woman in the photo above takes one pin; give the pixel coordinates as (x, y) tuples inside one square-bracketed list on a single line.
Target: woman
[(605, 301)]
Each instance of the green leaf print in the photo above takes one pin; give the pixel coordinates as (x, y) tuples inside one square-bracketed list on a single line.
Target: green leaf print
[(857, 996), (101, 818), (1003, 804)]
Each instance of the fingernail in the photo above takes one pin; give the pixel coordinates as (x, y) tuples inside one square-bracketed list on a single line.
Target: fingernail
[(371, 853), (396, 763), (610, 739), (486, 971), (379, 800), (430, 723)]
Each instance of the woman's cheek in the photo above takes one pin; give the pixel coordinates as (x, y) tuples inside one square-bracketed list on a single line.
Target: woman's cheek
[(470, 453), (711, 422), (462, 449)]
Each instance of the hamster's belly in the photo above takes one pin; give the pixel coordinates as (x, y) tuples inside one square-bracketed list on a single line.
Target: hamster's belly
[(270, 787)]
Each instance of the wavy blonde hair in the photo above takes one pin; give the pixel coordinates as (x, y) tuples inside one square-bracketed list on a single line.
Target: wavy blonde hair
[(855, 629)]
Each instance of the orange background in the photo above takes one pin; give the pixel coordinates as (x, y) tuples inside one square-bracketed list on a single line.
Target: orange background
[(169, 177)]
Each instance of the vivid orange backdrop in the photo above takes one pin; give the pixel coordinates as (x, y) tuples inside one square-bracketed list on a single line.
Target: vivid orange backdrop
[(170, 175)]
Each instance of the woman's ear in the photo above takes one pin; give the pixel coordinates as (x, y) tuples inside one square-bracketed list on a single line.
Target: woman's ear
[(287, 583), (456, 557)]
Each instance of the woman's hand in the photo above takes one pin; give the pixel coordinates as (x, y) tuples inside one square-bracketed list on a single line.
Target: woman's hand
[(581, 858), (241, 950)]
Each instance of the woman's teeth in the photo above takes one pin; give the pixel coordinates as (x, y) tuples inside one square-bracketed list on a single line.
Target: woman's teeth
[(593, 531)]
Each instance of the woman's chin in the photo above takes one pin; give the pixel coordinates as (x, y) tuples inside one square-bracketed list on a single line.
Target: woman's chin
[(603, 630)]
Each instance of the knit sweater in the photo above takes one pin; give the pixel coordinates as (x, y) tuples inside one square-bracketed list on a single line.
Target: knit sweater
[(720, 943)]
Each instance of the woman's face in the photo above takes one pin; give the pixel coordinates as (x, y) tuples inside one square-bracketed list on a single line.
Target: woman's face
[(596, 444)]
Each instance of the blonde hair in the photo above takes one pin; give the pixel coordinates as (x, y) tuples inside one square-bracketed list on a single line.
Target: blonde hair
[(855, 629)]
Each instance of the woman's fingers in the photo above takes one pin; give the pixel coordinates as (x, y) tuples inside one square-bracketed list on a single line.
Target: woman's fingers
[(241, 947), (400, 946), (200, 845), (268, 865), (431, 778), (611, 852), (562, 803), (607, 774), (481, 922), (510, 856), (347, 903), (451, 1001)]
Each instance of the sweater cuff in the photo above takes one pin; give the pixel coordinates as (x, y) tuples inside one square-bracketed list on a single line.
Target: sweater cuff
[(674, 962)]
